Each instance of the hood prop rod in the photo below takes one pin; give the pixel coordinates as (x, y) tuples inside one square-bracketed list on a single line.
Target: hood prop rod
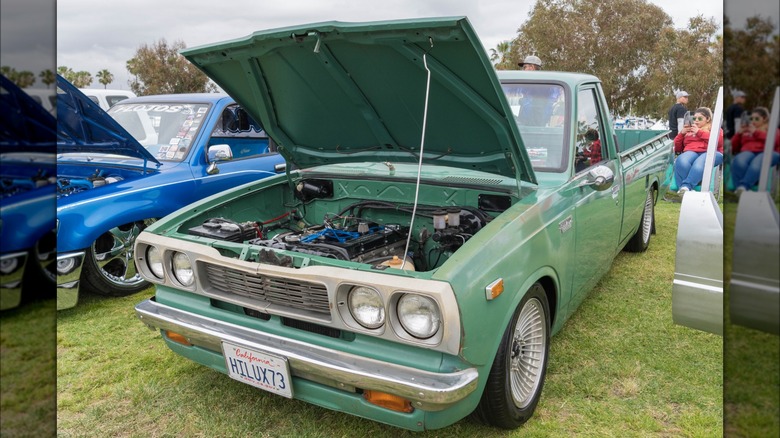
[(422, 151)]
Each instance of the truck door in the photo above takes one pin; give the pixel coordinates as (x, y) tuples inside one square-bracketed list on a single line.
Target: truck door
[(597, 214)]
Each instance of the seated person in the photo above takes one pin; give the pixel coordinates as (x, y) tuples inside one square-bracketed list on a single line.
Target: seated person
[(692, 141), (592, 153), (747, 147)]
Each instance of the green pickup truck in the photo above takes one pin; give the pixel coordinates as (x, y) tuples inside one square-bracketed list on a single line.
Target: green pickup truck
[(439, 222)]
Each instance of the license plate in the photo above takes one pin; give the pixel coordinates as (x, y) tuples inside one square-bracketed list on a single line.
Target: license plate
[(262, 370)]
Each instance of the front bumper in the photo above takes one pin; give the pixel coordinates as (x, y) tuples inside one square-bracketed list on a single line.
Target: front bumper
[(68, 273), (11, 279), (429, 391)]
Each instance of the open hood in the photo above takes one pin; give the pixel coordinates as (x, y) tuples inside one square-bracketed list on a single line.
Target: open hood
[(84, 127), (25, 125), (354, 92)]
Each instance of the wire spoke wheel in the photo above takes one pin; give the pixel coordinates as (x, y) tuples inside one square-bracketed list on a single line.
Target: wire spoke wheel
[(528, 353), (514, 384)]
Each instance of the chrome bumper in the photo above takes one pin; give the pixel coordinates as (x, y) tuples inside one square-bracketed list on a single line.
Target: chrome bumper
[(68, 273), (426, 390), (11, 281)]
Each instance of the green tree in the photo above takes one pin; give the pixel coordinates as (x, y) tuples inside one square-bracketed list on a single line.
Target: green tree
[(7, 71), (160, 69), (688, 59), (609, 39), (105, 77), (82, 79), (47, 77), (750, 60), (620, 43), (24, 79), (500, 56), (67, 73)]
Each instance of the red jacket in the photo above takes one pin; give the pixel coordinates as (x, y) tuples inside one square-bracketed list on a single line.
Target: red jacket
[(745, 141), (696, 142), (594, 153)]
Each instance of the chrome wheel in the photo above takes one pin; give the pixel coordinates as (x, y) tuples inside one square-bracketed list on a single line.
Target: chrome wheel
[(647, 218), (640, 241), (110, 268), (528, 350)]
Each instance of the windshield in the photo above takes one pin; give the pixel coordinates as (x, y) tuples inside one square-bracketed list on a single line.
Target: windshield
[(166, 130), (540, 113)]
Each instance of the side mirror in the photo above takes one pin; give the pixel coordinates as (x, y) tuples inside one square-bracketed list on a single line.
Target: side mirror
[(600, 178), (217, 153)]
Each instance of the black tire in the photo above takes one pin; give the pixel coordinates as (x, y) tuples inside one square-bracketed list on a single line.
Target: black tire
[(109, 267), (40, 276), (641, 239), (506, 402)]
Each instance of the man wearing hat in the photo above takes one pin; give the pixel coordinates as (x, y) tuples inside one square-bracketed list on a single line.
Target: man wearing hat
[(531, 63), (734, 112), (677, 112)]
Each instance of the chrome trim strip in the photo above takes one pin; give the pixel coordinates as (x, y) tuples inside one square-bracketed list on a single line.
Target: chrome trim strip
[(427, 390)]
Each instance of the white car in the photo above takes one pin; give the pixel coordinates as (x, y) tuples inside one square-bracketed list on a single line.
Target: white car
[(106, 98), (45, 96)]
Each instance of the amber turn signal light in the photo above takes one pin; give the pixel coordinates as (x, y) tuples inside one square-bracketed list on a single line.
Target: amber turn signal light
[(388, 401), (494, 289), (175, 337)]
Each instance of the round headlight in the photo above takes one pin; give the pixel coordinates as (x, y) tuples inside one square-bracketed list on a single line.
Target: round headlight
[(366, 307), (419, 315), (154, 261), (182, 269)]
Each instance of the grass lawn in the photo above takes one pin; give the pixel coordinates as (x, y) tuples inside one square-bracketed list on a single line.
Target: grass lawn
[(27, 375), (751, 364), (619, 367)]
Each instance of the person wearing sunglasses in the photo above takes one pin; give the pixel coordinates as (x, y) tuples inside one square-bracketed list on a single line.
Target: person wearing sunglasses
[(691, 142), (747, 148)]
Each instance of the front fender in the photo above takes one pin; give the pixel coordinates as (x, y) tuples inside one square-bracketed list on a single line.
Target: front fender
[(26, 218), (521, 246), (81, 225)]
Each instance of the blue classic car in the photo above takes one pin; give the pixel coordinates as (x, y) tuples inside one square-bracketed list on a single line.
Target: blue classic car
[(27, 177), (119, 172)]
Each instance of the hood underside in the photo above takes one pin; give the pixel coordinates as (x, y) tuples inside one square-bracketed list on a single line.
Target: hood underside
[(25, 126), (84, 127), (354, 92)]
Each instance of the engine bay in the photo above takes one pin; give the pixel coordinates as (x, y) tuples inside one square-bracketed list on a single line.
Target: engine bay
[(366, 231), (67, 186)]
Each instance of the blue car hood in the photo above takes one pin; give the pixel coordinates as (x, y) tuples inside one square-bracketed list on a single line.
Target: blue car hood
[(25, 126), (84, 127)]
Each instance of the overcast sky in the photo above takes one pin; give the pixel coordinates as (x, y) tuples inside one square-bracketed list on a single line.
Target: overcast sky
[(95, 34), (27, 34)]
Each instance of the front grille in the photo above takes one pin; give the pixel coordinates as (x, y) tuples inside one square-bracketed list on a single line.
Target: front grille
[(296, 294), (313, 328)]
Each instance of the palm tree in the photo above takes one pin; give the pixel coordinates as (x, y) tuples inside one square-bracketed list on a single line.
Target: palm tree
[(105, 77), (47, 77), (499, 56)]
